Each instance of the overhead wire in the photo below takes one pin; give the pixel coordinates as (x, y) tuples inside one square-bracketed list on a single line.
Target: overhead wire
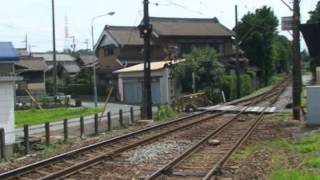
[(171, 3)]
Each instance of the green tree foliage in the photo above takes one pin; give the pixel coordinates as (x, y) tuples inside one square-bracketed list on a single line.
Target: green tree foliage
[(282, 54), (229, 86), (204, 63), (315, 15), (257, 32)]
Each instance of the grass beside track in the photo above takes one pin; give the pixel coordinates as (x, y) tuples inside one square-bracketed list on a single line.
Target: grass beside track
[(35, 116), (305, 150), (295, 160)]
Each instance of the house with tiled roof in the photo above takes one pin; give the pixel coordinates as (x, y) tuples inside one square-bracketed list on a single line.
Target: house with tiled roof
[(66, 64), (122, 46), (33, 70)]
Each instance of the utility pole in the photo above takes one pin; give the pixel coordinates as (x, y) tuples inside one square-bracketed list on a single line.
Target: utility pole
[(26, 41), (296, 90), (237, 54), (145, 32), (54, 53)]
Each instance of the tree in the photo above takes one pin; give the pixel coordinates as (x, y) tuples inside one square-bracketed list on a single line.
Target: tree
[(204, 63), (257, 32), (282, 54), (315, 15)]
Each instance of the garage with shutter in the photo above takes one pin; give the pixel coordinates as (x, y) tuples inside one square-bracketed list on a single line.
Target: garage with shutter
[(130, 83)]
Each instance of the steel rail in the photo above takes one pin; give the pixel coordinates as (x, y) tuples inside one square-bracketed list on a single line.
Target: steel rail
[(43, 163), (77, 167), (166, 168), (53, 159), (243, 138)]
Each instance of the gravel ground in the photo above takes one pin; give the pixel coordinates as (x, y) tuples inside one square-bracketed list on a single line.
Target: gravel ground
[(154, 152), (144, 160), (284, 99), (75, 143)]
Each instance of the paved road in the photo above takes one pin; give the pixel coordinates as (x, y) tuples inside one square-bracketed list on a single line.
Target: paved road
[(38, 130), (112, 107)]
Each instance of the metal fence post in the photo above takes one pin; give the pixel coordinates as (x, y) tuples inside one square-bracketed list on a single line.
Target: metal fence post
[(131, 115), (121, 117), (26, 139), (81, 127), (47, 131), (65, 130), (96, 128), (141, 112), (109, 121), (3, 143)]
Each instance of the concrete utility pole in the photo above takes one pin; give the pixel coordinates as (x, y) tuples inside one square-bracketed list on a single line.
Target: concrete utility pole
[(296, 72), (237, 54), (145, 32), (54, 53)]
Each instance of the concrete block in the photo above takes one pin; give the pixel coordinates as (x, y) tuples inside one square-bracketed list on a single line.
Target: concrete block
[(313, 105)]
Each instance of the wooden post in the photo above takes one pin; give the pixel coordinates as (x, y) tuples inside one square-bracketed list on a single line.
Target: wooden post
[(121, 117), (96, 128), (47, 132), (3, 143), (81, 127), (65, 130), (131, 115), (109, 121), (26, 139)]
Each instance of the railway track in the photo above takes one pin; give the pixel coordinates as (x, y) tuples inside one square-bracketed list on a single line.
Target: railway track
[(73, 162), (204, 160)]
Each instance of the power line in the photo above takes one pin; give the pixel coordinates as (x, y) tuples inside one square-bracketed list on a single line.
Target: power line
[(171, 3)]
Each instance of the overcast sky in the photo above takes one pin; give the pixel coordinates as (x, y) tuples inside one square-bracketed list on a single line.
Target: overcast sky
[(33, 17)]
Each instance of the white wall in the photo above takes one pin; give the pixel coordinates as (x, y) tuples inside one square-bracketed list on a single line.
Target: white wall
[(7, 119), (164, 83)]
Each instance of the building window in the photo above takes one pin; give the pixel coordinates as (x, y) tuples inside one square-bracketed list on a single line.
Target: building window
[(108, 51), (218, 47), (185, 48)]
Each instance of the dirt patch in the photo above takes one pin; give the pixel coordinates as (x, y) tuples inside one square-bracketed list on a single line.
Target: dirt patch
[(255, 163)]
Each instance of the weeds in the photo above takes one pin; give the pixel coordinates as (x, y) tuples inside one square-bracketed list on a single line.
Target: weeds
[(245, 153), (307, 149), (165, 112)]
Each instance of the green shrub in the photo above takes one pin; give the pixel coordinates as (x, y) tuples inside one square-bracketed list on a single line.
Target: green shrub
[(165, 112), (78, 89), (246, 85), (229, 86), (214, 95)]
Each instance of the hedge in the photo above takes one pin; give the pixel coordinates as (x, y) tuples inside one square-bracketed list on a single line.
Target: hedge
[(229, 86)]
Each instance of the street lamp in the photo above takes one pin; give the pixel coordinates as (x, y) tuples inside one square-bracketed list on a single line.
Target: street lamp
[(94, 65), (92, 21)]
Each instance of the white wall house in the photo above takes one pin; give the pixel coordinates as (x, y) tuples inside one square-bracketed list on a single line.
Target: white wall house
[(7, 118), (130, 83), (8, 56)]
